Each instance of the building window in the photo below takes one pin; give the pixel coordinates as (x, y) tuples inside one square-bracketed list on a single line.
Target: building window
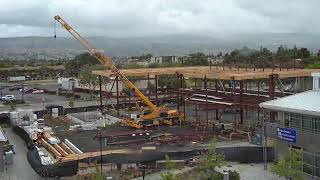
[(307, 123), (307, 158), (286, 119), (317, 125), (307, 169), (317, 160), (302, 122), (295, 120), (317, 172)]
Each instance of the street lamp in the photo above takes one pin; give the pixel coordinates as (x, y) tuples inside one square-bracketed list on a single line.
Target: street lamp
[(1, 88), (143, 170), (100, 138), (43, 104)]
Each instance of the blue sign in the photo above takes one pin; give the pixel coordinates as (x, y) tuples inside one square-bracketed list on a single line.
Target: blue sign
[(287, 134)]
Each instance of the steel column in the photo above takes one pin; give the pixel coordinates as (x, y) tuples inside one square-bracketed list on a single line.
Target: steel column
[(117, 89), (271, 93), (156, 89), (206, 88), (148, 86), (100, 92), (241, 100)]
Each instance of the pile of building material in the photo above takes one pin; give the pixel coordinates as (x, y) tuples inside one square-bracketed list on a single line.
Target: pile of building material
[(22, 117), (73, 147), (32, 131), (45, 159), (56, 148), (91, 120), (84, 127)]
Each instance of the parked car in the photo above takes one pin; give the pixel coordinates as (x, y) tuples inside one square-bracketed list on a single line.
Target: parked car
[(14, 88), (8, 98), (37, 91), (25, 89), (29, 91)]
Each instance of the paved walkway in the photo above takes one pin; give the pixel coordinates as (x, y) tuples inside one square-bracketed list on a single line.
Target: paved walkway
[(247, 172), (21, 169), (252, 171)]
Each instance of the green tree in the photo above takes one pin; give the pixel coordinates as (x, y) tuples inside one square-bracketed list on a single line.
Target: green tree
[(211, 160), (12, 106), (305, 53), (88, 79), (290, 166), (197, 59), (143, 56), (97, 175), (167, 175), (158, 65), (170, 81), (104, 82), (71, 102), (132, 66), (234, 175), (151, 87), (318, 53), (73, 66)]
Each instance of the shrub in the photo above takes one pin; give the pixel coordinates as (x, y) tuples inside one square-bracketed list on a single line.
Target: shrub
[(234, 175), (217, 176), (13, 102), (77, 96)]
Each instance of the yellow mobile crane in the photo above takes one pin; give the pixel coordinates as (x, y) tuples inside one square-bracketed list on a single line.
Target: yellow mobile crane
[(156, 115)]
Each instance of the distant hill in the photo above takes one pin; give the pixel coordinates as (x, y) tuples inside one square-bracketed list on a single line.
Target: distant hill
[(179, 44)]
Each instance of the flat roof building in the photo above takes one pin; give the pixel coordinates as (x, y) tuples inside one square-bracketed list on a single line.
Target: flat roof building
[(297, 125)]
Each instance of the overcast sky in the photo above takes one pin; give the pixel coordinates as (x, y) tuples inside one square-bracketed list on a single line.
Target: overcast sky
[(123, 18)]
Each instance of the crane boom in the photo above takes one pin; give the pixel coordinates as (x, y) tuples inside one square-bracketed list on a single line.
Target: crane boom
[(105, 61)]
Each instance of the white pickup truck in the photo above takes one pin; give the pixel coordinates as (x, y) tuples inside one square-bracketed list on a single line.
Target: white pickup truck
[(8, 98)]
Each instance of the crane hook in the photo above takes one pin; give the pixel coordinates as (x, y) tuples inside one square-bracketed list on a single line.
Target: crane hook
[(55, 30)]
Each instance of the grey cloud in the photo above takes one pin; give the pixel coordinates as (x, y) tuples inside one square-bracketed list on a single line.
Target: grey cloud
[(157, 17)]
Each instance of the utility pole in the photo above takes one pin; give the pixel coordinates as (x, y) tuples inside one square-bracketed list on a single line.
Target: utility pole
[(22, 91), (43, 104), (265, 153), (101, 151), (100, 92), (1, 88)]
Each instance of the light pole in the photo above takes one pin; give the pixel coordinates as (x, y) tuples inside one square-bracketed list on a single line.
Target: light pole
[(100, 139), (1, 88), (43, 103), (22, 91), (100, 151), (143, 170)]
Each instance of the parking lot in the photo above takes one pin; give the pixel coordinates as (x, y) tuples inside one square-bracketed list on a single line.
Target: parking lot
[(39, 101), (30, 98)]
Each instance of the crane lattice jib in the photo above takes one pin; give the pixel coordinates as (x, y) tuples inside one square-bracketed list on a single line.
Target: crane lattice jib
[(105, 61)]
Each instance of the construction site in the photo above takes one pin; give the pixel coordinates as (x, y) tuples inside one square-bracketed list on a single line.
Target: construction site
[(129, 135)]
